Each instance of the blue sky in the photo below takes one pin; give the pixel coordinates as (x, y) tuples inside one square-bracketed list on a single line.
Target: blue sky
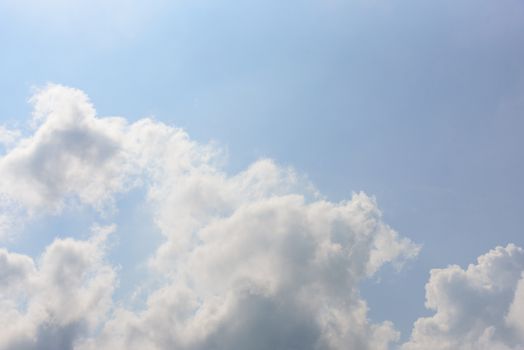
[(417, 103)]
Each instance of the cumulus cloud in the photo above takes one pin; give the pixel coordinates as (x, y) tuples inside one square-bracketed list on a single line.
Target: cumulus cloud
[(254, 260), (515, 317), (70, 153), (74, 156), (475, 308), (277, 273), (50, 303)]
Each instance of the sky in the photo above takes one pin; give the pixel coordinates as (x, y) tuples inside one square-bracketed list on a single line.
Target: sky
[(316, 174)]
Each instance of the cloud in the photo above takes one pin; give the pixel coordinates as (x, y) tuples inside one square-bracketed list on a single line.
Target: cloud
[(277, 273), (257, 260), (8, 136), (515, 317), (71, 153), (253, 260), (476, 308), (50, 303)]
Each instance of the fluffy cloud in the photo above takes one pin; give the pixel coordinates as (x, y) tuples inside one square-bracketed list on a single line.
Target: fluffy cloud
[(50, 303), (480, 307), (253, 260), (70, 153), (277, 273), (74, 156), (515, 317)]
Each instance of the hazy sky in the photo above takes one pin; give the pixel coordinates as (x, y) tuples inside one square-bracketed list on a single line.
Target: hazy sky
[(254, 126)]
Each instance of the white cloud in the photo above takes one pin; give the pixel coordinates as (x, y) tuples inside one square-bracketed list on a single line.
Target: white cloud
[(276, 273), (515, 317), (253, 260), (74, 155), (8, 136), (476, 308), (71, 153), (51, 303), (14, 270)]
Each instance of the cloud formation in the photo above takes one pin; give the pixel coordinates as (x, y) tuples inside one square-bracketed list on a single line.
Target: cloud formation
[(70, 153), (50, 303), (476, 308), (254, 260), (277, 273)]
